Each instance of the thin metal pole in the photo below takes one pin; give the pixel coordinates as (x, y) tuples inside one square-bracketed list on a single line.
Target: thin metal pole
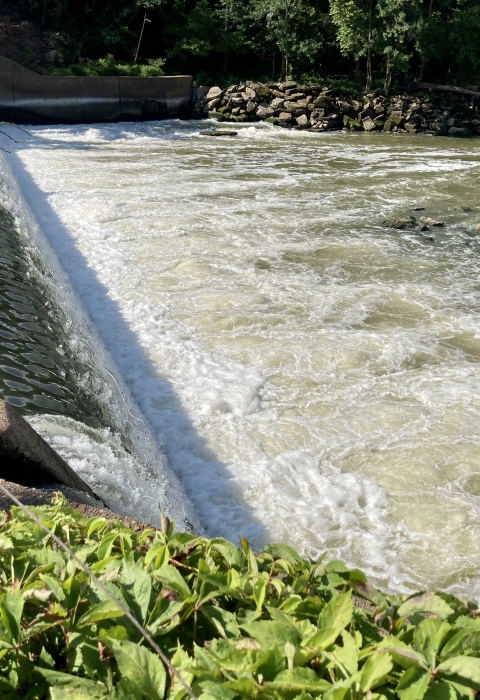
[(106, 590), (141, 35)]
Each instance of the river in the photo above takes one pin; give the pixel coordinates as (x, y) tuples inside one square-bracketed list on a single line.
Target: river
[(312, 376)]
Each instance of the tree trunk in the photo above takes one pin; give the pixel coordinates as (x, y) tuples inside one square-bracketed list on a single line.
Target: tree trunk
[(225, 58), (369, 69), (284, 69), (388, 79), (422, 64), (369, 50), (358, 71)]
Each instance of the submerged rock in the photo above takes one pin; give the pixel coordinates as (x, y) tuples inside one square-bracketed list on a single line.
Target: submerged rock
[(430, 222), (400, 222), (219, 133)]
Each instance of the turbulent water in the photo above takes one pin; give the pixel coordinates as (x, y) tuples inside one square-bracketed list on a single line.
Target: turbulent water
[(314, 376)]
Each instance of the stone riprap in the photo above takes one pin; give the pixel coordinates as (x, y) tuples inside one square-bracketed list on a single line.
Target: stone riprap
[(321, 109)]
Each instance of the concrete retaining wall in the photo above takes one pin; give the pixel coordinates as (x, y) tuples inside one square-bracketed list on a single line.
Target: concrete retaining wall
[(29, 98)]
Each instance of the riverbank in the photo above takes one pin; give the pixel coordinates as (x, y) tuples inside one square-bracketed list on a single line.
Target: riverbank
[(318, 109)]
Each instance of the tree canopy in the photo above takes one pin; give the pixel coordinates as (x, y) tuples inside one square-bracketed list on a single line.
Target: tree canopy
[(224, 40)]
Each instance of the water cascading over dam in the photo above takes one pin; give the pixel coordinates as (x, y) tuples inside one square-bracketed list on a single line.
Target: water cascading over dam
[(312, 375)]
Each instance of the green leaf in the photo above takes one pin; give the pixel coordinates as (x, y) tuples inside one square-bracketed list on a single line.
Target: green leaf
[(338, 612), (136, 586), (215, 691), (172, 578), (346, 655), (269, 632), (322, 639), (298, 680), (11, 609), (413, 684), (461, 669), (259, 592), (54, 586), (284, 551), (65, 680), (230, 552), (375, 671), (403, 654), (105, 610), (425, 603), (441, 690), (96, 524), (464, 641), (428, 637), (159, 553), (222, 620), (141, 667), (106, 545)]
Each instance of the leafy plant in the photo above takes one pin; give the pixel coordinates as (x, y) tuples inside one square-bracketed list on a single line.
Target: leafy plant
[(234, 623), (109, 66)]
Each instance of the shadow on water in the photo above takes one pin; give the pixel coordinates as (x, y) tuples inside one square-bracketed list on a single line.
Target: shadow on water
[(115, 334)]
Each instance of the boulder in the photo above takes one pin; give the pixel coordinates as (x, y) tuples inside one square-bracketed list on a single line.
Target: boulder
[(459, 132), (351, 124), (287, 85), (251, 107), (367, 113), (25, 458), (323, 101), (264, 112), (212, 104), (392, 121), (411, 127), (214, 92), (217, 115), (285, 116), (277, 103), (400, 222), (430, 222), (369, 124), (477, 228), (262, 92), (302, 120), (248, 94)]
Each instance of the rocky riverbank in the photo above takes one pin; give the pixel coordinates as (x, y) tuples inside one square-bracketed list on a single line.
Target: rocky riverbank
[(319, 109)]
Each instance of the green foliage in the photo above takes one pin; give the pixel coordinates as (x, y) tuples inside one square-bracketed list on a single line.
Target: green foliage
[(109, 66), (236, 624)]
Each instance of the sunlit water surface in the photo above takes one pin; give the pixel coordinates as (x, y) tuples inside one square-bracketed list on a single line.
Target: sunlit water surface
[(314, 377)]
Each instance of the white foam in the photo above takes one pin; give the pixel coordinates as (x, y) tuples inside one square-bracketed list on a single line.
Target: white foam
[(312, 376)]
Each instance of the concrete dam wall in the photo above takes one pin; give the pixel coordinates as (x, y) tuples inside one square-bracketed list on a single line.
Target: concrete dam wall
[(29, 98)]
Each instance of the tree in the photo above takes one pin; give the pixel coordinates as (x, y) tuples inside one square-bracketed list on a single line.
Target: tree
[(356, 29), (397, 22)]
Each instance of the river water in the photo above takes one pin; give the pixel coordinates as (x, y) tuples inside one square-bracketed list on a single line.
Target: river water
[(313, 376)]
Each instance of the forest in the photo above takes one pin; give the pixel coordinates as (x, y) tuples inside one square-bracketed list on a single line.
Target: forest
[(372, 42)]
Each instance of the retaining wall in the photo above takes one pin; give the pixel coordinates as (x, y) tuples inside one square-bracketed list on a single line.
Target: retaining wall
[(29, 98)]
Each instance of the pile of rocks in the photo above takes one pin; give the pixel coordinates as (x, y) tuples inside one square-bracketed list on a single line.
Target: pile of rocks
[(322, 109)]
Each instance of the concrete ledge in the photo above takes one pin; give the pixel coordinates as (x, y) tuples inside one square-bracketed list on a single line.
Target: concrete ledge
[(26, 97), (25, 458)]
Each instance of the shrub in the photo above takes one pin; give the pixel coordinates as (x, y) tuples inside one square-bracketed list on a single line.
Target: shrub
[(236, 624), (109, 66)]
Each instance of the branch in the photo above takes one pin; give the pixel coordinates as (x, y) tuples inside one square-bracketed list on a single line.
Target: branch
[(445, 88)]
